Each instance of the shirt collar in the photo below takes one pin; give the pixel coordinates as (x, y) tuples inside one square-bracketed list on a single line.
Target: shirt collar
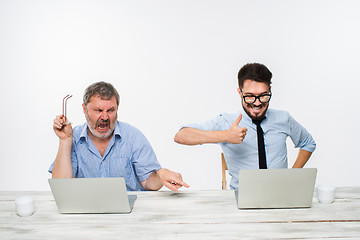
[(246, 117), (85, 136)]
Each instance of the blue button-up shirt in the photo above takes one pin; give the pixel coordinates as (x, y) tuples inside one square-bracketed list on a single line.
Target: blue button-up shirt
[(128, 155), (277, 126)]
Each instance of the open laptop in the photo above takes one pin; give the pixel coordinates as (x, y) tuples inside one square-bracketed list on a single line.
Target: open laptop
[(91, 195), (276, 188)]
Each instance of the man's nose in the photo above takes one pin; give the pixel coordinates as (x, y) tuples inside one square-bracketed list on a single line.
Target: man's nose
[(257, 102), (104, 115)]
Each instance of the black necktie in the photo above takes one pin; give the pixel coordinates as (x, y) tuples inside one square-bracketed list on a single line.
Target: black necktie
[(261, 145)]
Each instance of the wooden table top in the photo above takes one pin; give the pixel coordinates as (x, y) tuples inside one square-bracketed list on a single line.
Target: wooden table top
[(185, 215)]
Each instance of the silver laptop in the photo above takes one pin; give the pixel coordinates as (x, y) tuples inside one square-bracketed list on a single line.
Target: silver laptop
[(91, 195), (276, 188)]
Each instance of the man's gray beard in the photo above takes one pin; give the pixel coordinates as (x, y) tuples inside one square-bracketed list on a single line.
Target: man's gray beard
[(93, 130)]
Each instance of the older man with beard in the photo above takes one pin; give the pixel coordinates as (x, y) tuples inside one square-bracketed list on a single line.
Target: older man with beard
[(105, 147), (255, 137)]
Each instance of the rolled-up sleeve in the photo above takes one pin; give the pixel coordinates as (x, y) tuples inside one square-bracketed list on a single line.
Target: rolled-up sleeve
[(74, 161), (300, 136), (218, 123), (144, 158)]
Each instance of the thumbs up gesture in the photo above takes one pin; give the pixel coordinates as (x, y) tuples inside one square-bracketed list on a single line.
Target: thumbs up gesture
[(236, 134)]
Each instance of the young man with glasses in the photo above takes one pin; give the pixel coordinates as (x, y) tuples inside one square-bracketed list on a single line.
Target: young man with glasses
[(241, 135)]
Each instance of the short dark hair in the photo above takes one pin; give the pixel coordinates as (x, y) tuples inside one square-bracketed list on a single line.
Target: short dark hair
[(256, 72), (105, 90)]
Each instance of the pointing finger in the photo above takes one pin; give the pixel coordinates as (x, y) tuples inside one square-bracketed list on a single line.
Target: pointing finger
[(181, 183), (171, 186)]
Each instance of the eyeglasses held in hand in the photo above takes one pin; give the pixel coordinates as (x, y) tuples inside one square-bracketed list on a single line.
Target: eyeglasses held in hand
[(65, 107)]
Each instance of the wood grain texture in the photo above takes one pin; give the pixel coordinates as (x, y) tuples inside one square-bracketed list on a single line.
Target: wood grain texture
[(185, 215)]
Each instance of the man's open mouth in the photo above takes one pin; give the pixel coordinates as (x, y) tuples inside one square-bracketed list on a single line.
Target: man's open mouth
[(103, 126)]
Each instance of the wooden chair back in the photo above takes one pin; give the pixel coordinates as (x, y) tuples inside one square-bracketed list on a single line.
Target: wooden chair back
[(224, 168)]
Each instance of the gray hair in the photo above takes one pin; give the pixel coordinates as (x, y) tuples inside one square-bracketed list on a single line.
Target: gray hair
[(105, 91)]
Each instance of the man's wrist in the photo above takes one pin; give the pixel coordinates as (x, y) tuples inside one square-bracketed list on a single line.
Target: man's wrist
[(66, 141), (225, 136), (160, 171)]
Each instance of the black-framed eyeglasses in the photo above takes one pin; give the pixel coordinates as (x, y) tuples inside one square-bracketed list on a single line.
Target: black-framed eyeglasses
[(263, 98)]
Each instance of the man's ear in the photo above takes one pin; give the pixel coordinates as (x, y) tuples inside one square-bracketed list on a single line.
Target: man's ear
[(84, 108), (239, 91)]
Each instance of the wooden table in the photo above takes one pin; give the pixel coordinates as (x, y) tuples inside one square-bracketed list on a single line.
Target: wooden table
[(185, 215)]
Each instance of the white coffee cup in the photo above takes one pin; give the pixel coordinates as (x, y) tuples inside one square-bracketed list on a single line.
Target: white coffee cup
[(25, 206), (325, 193)]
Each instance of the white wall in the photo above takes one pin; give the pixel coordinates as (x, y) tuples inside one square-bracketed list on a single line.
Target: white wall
[(176, 62)]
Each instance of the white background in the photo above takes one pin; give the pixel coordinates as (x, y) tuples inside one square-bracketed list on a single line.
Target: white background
[(176, 62)]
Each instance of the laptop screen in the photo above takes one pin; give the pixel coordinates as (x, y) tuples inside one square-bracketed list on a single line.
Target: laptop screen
[(276, 188), (91, 195)]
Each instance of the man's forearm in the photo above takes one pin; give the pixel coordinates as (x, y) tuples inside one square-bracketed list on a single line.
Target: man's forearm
[(153, 183), (302, 158), (62, 167), (193, 136), (164, 177)]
